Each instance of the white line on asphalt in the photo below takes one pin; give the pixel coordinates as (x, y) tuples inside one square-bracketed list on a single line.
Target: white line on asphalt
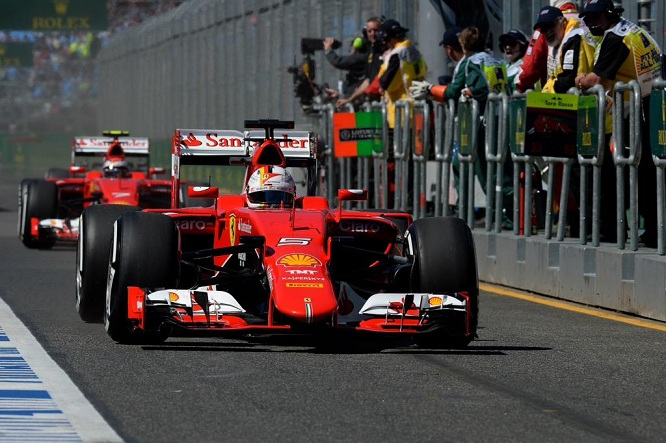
[(37, 398)]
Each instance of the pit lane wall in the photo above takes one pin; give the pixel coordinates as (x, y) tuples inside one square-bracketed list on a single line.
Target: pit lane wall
[(633, 282)]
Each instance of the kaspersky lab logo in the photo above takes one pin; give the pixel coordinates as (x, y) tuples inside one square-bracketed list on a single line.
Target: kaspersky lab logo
[(61, 6)]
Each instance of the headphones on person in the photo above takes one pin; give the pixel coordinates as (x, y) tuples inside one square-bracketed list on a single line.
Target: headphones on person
[(364, 30)]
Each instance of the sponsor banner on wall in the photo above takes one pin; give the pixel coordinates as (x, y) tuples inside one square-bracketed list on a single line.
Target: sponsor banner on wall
[(357, 134), (54, 15)]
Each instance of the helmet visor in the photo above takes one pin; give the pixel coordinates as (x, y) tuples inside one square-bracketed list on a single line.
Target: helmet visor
[(271, 198)]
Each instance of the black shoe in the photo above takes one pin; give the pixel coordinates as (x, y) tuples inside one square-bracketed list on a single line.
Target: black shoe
[(648, 239)]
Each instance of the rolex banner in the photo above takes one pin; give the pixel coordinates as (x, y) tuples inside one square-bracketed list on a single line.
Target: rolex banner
[(357, 134), (551, 125), (54, 15)]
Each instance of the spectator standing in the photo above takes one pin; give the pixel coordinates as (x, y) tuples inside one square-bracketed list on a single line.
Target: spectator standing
[(477, 76), (373, 64), (514, 45), (402, 64), (627, 52), (535, 61), (570, 52)]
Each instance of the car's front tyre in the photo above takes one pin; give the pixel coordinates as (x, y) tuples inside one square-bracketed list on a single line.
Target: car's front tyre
[(144, 253)]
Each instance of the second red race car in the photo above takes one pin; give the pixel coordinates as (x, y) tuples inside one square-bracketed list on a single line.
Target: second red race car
[(271, 262), (112, 170)]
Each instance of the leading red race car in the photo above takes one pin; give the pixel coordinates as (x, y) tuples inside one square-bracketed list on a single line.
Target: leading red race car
[(49, 208), (267, 261)]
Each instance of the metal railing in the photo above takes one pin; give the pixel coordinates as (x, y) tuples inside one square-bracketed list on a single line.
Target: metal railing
[(444, 126)]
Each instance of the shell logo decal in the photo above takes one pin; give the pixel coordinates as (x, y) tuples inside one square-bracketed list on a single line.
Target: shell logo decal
[(298, 260), (173, 297), (435, 301)]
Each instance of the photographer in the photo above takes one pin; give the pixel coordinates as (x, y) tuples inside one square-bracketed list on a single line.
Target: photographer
[(353, 63)]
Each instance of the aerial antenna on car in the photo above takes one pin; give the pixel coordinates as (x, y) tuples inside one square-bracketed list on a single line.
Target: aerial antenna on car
[(270, 125)]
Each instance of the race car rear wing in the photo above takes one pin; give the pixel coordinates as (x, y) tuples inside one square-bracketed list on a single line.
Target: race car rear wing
[(97, 146), (230, 147), (235, 148)]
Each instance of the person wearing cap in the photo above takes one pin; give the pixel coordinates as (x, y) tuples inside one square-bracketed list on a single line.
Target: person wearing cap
[(514, 45), (627, 52), (570, 49), (373, 63), (402, 64), (570, 52), (534, 68)]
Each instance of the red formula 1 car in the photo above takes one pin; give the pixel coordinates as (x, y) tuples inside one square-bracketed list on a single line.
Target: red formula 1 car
[(119, 174), (268, 262)]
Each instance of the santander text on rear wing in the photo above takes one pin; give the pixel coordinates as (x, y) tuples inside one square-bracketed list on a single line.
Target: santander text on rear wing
[(94, 146), (230, 147)]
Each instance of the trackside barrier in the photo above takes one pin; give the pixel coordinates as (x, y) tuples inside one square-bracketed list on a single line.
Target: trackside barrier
[(420, 154), (441, 125), (632, 159), (518, 157), (401, 151), (466, 134), (444, 116), (497, 111), (591, 154), (379, 159), (658, 146)]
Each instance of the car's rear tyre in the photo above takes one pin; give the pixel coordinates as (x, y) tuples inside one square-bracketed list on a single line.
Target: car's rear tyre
[(145, 254), (37, 199), (444, 262), (92, 258)]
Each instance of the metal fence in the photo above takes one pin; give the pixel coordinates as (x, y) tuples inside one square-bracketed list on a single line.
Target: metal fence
[(442, 125)]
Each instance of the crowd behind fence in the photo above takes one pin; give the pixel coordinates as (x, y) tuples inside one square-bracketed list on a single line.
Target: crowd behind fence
[(445, 144)]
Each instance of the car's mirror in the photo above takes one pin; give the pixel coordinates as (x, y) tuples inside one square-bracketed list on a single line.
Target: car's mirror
[(351, 195), (156, 171), (203, 191), (77, 169)]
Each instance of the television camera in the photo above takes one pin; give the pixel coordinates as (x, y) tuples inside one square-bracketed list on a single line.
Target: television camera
[(305, 88)]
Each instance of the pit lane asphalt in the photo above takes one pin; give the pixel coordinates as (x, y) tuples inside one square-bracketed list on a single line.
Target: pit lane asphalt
[(536, 373)]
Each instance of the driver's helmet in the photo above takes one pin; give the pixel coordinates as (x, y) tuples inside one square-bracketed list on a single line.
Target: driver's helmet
[(115, 167), (270, 187)]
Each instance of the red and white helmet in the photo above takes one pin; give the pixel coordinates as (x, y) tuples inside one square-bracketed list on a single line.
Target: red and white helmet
[(115, 167), (270, 187)]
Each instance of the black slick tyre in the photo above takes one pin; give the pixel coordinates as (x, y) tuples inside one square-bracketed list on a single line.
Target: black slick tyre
[(145, 254), (444, 262), (92, 258), (37, 199)]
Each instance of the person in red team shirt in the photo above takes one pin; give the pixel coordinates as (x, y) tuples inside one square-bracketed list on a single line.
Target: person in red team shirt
[(534, 74)]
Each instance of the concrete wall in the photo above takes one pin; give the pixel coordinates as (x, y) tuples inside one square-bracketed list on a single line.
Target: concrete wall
[(604, 276)]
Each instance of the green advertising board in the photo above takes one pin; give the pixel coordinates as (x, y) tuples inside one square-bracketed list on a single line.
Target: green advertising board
[(17, 54), (517, 119), (658, 123), (54, 15), (551, 125), (466, 127), (588, 125)]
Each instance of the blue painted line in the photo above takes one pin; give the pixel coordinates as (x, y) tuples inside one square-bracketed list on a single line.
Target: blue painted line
[(38, 401)]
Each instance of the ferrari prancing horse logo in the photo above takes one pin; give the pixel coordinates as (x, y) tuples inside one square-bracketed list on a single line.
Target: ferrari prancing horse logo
[(232, 229)]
